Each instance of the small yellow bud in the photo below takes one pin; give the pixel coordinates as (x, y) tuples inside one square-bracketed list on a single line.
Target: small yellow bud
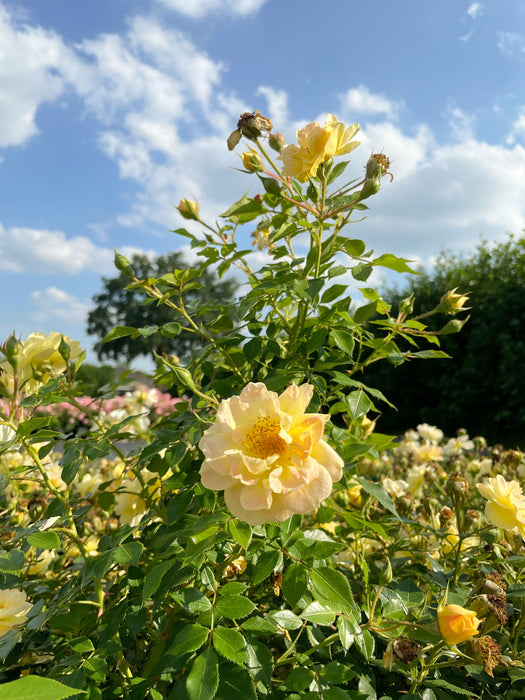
[(276, 141), (188, 209), (451, 302), (252, 161)]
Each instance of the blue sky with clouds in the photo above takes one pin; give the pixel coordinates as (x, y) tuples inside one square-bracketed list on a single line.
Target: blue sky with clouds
[(111, 111)]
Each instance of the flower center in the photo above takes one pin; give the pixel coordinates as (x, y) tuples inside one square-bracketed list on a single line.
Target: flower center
[(263, 439)]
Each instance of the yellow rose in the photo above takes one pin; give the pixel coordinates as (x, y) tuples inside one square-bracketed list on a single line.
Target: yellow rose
[(506, 503), (457, 624), (40, 360), (317, 144), (268, 454), (14, 607)]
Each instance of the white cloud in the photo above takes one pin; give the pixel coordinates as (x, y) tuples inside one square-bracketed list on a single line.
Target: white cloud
[(361, 101), (44, 252), (511, 43), (30, 60), (277, 104), (199, 8), (475, 10), (56, 303), (461, 124), (518, 127)]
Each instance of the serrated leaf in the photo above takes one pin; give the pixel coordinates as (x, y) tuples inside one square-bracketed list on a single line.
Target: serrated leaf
[(203, 679), (394, 263), (344, 340), (266, 563), (286, 619), (234, 606), (299, 679), (36, 688), (44, 540), (231, 644), (188, 639), (241, 532), (358, 404), (331, 587), (128, 553), (295, 582), (318, 613), (235, 683)]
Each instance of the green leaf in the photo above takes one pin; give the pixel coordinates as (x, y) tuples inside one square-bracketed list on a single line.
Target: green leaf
[(154, 577), (440, 683), (346, 628), (336, 673), (203, 679), (354, 247), (318, 613), (378, 492), (32, 424), (267, 562), (333, 292), (235, 683), (171, 329), (260, 662), (12, 561), (363, 313), (344, 340), (44, 540), (394, 263), (361, 272), (299, 678), (128, 553), (285, 619), (295, 583), (188, 639), (332, 587), (230, 644), (252, 348), (241, 532), (234, 606), (120, 332), (36, 688), (358, 404)]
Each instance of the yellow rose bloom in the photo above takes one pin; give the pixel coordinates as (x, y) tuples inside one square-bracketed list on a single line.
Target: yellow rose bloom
[(457, 624), (317, 144), (40, 356), (506, 503), (14, 607), (268, 455)]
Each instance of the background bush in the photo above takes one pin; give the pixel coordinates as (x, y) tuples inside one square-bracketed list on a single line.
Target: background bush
[(482, 387)]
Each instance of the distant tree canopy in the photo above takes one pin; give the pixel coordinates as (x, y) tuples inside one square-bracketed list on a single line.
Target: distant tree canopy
[(482, 387), (118, 306)]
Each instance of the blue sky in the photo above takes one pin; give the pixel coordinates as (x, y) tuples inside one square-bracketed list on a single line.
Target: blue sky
[(112, 110)]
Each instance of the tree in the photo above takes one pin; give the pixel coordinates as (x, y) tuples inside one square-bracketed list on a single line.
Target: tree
[(481, 388), (119, 304)]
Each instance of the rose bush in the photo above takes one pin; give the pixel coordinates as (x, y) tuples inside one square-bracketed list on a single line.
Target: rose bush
[(256, 537)]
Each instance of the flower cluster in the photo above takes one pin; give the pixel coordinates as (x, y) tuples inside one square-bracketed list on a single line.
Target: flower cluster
[(506, 503)]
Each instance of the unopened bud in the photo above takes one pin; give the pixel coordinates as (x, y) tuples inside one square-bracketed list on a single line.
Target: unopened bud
[(64, 349), (188, 209), (457, 485), (386, 576), (445, 515), (252, 161), (276, 141), (12, 349), (122, 264), (453, 326)]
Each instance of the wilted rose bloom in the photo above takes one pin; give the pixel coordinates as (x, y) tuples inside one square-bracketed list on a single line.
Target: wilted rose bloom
[(457, 624), (40, 357), (268, 454), (506, 503), (317, 144), (14, 607)]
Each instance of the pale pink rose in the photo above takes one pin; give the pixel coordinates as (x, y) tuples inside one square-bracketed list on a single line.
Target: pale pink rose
[(268, 455)]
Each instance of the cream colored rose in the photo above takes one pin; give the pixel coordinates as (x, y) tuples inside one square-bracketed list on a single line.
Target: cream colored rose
[(14, 607), (317, 144), (40, 360), (506, 503), (268, 455)]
